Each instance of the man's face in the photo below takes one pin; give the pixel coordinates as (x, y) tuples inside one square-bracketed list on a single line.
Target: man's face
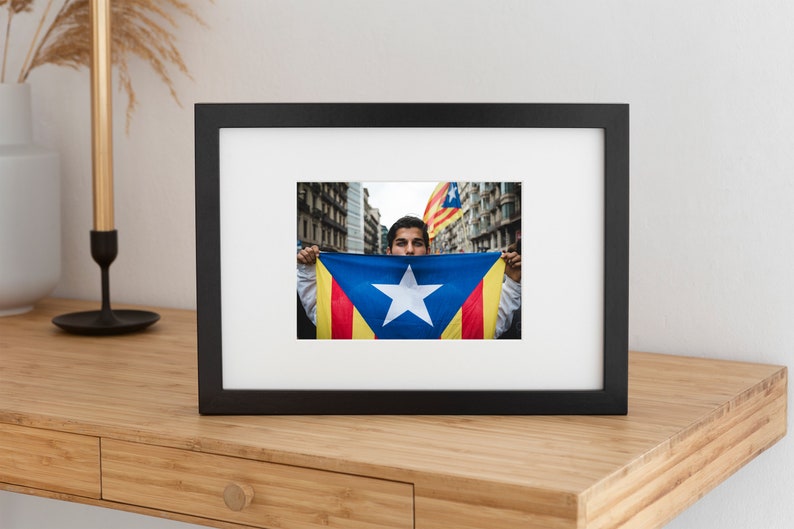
[(408, 241)]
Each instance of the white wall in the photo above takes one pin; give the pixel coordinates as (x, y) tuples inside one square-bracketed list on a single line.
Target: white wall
[(712, 224)]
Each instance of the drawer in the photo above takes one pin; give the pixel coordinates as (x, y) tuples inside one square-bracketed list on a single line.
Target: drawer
[(250, 492), (49, 460)]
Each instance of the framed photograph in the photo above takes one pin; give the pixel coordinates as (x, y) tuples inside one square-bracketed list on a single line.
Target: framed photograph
[(523, 207)]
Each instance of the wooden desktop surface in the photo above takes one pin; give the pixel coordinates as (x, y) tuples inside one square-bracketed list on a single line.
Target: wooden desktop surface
[(113, 421)]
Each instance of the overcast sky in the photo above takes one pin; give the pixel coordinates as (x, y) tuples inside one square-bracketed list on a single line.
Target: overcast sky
[(396, 199)]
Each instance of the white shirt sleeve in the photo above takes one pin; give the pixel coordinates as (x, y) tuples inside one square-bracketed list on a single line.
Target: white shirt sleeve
[(509, 302), (307, 290)]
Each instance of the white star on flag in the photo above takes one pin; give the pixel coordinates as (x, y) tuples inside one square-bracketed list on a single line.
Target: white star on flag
[(408, 296), (453, 193)]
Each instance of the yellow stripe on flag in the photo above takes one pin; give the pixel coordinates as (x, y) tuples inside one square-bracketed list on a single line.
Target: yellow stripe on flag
[(361, 331), (450, 215), (324, 282), (491, 292), (455, 328), (436, 199)]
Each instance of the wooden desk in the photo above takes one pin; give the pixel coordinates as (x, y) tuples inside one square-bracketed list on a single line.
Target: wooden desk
[(112, 422)]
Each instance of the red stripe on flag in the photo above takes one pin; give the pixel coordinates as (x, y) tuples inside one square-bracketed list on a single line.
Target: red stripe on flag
[(471, 316), (341, 314), (436, 199), (442, 215)]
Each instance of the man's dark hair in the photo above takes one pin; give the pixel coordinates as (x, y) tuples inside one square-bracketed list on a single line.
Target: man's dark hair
[(408, 222)]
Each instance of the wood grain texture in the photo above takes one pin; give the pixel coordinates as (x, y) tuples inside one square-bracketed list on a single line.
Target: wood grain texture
[(50, 460), (283, 496), (692, 422)]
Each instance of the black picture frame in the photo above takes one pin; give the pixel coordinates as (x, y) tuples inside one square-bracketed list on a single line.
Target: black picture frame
[(215, 398)]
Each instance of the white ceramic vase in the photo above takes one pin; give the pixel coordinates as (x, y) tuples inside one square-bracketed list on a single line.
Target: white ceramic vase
[(30, 207)]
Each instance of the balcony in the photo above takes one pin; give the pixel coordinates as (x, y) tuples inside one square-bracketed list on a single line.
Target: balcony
[(508, 197), (328, 221)]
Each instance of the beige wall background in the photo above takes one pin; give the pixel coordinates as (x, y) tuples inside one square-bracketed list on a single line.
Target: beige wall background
[(712, 117)]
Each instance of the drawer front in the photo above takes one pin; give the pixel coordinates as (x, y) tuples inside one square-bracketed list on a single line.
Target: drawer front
[(249, 492), (49, 460)]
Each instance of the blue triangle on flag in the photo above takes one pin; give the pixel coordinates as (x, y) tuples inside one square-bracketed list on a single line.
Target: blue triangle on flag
[(457, 275), (452, 198)]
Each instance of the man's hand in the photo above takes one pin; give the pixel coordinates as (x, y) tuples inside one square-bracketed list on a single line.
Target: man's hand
[(308, 255), (512, 265)]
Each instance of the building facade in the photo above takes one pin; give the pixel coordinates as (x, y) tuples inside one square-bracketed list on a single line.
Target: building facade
[(355, 217), (372, 239), (322, 215), (337, 216), (496, 219), (491, 219)]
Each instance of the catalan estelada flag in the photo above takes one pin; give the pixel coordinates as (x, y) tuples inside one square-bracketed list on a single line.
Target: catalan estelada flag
[(408, 297), (443, 208)]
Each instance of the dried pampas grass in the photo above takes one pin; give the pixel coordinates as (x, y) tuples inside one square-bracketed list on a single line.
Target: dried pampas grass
[(140, 28)]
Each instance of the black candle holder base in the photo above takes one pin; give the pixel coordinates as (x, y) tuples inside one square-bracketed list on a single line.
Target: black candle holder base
[(100, 322), (106, 321)]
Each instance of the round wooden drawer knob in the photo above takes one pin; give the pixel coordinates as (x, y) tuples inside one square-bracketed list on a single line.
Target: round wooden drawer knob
[(237, 497)]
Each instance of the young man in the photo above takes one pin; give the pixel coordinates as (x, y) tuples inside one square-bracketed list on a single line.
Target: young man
[(408, 236)]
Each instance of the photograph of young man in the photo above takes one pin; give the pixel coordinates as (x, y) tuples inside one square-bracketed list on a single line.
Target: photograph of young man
[(408, 236)]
